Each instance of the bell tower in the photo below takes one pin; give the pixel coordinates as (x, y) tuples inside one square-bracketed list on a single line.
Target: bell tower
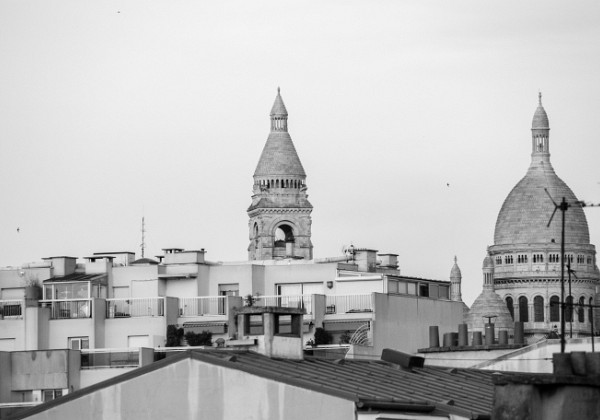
[(279, 215)]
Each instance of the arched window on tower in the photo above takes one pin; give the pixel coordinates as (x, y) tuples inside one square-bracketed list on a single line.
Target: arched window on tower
[(523, 309), (581, 310), (538, 309), (554, 309), (284, 241), (510, 306), (569, 309)]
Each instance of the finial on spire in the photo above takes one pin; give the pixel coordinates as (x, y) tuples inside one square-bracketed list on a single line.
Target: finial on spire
[(278, 90), (540, 97), (455, 259)]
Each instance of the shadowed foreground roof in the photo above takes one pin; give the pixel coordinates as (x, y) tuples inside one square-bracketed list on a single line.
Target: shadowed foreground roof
[(370, 384)]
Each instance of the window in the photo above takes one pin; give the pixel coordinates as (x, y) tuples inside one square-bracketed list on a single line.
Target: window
[(554, 309), (538, 258), (411, 288), (580, 259), (510, 306), (589, 260), (78, 290), (553, 258), (78, 343), (581, 310), (444, 292), (50, 394), (498, 260), (568, 258), (424, 290), (538, 309), (569, 309), (523, 309), (521, 259), (508, 259)]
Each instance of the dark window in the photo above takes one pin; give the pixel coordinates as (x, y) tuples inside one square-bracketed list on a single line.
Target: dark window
[(523, 309), (538, 309), (424, 290), (569, 309), (510, 306), (581, 310), (554, 309)]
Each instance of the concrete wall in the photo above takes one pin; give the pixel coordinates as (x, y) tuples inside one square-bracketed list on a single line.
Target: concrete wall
[(298, 273), (241, 274), (59, 331), (118, 329), (194, 389), (401, 323), (47, 369)]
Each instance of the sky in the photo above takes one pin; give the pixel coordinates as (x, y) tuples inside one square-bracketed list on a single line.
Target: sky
[(411, 118)]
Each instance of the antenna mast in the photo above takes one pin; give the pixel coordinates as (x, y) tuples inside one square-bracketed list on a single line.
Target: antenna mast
[(143, 244)]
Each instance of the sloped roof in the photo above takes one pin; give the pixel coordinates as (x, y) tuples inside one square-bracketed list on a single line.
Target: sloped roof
[(77, 277), (467, 392)]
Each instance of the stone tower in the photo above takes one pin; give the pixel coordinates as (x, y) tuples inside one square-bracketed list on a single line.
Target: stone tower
[(455, 281), (280, 211)]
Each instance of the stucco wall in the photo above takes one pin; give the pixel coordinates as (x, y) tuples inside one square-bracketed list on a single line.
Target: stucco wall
[(118, 329), (402, 323), (192, 389), (298, 273)]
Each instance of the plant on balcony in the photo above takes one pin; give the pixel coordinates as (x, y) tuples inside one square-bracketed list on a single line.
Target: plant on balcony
[(250, 300), (322, 337), (201, 339), (345, 337), (174, 336)]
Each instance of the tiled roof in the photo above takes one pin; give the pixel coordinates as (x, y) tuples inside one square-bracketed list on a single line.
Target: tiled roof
[(279, 157)]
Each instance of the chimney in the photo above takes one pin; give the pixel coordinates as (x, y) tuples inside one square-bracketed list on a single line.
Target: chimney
[(366, 259)]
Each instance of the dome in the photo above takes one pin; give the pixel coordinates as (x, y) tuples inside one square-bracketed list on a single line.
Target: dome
[(489, 303), (488, 262), (524, 216)]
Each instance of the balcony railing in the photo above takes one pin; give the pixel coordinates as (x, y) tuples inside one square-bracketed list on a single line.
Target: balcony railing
[(11, 309), (202, 305), (292, 301), (343, 304), (68, 308), (135, 307), (109, 358)]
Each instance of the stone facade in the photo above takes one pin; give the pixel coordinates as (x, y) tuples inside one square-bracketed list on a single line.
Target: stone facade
[(526, 254), (280, 222)]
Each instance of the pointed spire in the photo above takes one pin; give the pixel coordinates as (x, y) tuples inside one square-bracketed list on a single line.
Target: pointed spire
[(540, 134), (278, 106), (455, 279)]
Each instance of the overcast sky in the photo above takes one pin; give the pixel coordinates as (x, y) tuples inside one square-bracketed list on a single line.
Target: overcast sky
[(114, 110)]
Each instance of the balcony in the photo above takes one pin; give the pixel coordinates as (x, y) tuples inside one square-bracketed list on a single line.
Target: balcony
[(348, 304), (68, 308), (110, 358), (202, 306), (11, 309), (135, 307), (292, 301)]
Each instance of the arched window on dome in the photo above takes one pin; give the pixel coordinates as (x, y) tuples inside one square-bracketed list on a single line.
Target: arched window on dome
[(510, 306), (538, 309), (523, 309), (581, 310), (569, 309), (554, 309), (498, 260)]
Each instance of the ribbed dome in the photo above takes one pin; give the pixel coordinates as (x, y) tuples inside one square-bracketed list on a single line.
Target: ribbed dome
[(489, 303), (455, 272), (279, 157), (540, 119), (278, 106), (526, 211), (488, 262)]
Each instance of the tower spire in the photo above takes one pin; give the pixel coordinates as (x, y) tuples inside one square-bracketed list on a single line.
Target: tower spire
[(540, 134)]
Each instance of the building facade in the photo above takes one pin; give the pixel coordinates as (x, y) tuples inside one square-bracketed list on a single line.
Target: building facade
[(526, 260)]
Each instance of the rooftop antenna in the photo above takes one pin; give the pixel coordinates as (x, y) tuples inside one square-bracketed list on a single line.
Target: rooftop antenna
[(563, 207), (143, 244)]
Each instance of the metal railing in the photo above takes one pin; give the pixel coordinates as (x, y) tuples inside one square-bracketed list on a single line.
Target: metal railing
[(203, 305), (292, 301), (109, 358), (343, 304), (68, 308), (12, 309), (135, 307)]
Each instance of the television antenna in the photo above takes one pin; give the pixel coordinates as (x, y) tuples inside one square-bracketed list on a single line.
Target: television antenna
[(143, 244)]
